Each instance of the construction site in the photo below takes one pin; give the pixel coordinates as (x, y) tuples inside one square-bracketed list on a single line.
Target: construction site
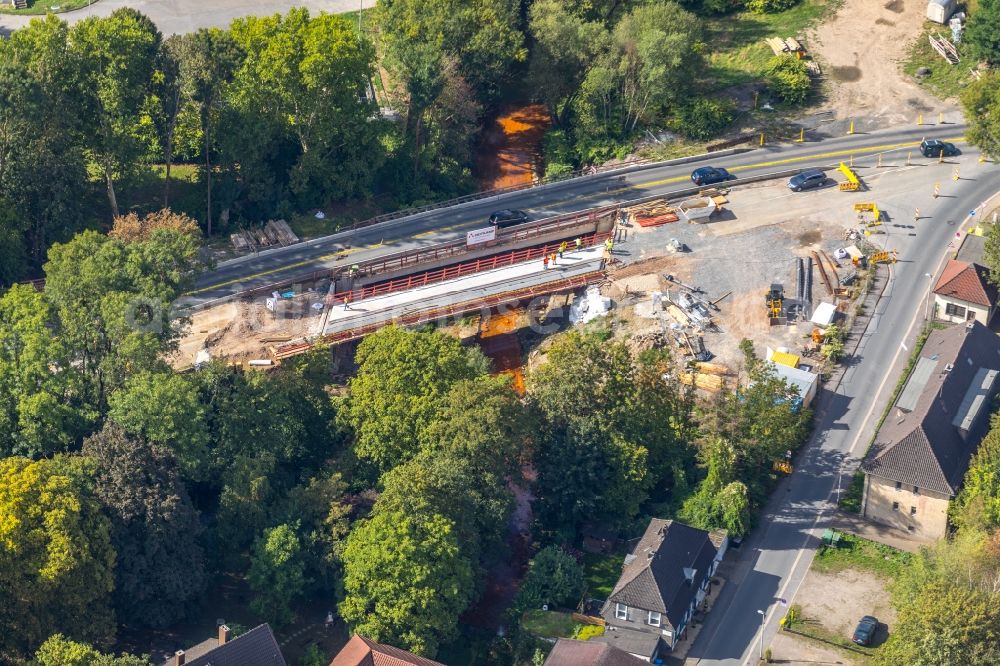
[(696, 274)]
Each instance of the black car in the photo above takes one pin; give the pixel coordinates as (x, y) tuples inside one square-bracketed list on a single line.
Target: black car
[(865, 632), (508, 218), (806, 180), (708, 175), (936, 148)]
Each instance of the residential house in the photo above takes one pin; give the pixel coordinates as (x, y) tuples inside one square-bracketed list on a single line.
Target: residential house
[(920, 455), (662, 584), (964, 292), (361, 651), (256, 647), (568, 652)]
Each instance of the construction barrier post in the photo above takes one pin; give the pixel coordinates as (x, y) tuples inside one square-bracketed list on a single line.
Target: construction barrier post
[(851, 163), (851, 131), (879, 164), (982, 157), (908, 157), (916, 214), (941, 157), (954, 173), (802, 134), (762, 138), (940, 119), (937, 190), (920, 119)]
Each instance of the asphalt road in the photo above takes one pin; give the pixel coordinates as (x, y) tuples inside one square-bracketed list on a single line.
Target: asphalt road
[(576, 195), (181, 16), (774, 559)]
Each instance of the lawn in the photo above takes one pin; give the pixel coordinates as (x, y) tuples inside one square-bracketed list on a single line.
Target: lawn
[(946, 80), (548, 624), (856, 553), (187, 195), (601, 572), (737, 52), (46, 6)]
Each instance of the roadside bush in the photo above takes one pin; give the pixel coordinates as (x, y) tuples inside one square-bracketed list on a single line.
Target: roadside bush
[(704, 118), (788, 78), (558, 153), (720, 6), (770, 6)]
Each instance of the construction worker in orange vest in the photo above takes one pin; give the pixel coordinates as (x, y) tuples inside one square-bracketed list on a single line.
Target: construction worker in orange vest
[(545, 261)]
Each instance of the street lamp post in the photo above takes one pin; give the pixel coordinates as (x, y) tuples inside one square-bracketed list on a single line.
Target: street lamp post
[(762, 616)]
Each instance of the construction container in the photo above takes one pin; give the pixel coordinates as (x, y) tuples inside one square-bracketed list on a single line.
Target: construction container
[(940, 11)]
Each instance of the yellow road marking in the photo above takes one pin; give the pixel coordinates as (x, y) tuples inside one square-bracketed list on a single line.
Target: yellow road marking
[(653, 183)]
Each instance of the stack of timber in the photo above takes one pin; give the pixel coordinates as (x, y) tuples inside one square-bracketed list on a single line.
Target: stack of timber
[(651, 214)]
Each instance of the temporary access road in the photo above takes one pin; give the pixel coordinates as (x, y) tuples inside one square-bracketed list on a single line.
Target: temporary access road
[(583, 193)]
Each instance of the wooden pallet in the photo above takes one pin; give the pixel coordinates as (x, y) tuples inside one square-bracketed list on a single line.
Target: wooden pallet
[(945, 48)]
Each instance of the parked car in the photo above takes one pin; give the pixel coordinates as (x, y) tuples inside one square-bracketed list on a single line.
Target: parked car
[(807, 180), (508, 218), (865, 632), (936, 148), (707, 175)]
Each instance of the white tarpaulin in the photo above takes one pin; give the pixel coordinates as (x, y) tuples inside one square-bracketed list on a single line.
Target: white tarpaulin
[(823, 314), (590, 307)]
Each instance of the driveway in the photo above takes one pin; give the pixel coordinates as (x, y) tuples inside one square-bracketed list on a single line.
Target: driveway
[(180, 16)]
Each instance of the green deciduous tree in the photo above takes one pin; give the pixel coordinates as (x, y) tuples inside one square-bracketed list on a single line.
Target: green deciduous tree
[(277, 573), (554, 578), (981, 100), (154, 527), (164, 408), (117, 58), (978, 503), (39, 410), (982, 32), (60, 651), (310, 76), (56, 558), (406, 580), (403, 378), (113, 300), (653, 54)]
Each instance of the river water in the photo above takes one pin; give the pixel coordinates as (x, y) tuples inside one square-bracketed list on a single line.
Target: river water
[(510, 150)]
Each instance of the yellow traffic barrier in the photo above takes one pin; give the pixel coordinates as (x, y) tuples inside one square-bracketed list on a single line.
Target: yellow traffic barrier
[(908, 155), (954, 173), (868, 207), (920, 119), (762, 138), (802, 134), (937, 190), (884, 257), (851, 131), (940, 119), (852, 184)]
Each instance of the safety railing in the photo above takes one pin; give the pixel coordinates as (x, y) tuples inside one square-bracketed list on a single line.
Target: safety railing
[(458, 270)]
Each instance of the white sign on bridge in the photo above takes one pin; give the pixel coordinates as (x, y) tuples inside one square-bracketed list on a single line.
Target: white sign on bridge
[(477, 236)]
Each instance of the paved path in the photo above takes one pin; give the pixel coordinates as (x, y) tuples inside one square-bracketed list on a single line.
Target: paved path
[(777, 555), (180, 16)]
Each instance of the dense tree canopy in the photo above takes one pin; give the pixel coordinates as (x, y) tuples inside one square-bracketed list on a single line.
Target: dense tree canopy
[(981, 99), (60, 651), (159, 568), (56, 558), (982, 32), (403, 378), (277, 573)]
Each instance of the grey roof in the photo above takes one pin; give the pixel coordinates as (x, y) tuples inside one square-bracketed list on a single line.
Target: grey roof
[(569, 652), (972, 250), (922, 447), (654, 578), (256, 647), (645, 643)]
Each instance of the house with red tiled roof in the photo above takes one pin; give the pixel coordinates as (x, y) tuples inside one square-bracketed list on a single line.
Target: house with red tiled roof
[(361, 651), (965, 293)]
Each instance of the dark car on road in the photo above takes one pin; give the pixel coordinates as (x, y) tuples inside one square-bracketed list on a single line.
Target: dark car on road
[(508, 218), (708, 175), (936, 148), (865, 632), (807, 180)]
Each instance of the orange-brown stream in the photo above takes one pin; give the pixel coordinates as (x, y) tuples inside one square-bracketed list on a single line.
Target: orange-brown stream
[(498, 341), (511, 147)]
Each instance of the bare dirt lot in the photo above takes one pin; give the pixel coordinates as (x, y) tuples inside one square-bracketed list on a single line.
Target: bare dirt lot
[(837, 601), (861, 48)]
